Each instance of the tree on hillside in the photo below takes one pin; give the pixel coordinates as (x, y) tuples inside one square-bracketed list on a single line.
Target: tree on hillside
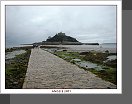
[(49, 37)]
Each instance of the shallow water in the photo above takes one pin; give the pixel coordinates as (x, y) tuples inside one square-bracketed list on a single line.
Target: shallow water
[(112, 57), (109, 45), (87, 65), (12, 54)]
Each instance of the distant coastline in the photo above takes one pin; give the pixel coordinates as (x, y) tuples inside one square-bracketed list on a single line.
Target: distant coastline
[(109, 43), (22, 45)]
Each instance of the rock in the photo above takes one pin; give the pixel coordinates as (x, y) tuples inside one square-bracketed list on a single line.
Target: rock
[(64, 50), (76, 60), (15, 83)]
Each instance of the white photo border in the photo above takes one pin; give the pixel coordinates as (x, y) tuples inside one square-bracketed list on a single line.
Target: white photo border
[(64, 91)]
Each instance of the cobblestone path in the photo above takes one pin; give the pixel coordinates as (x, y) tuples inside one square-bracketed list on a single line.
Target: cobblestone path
[(47, 71)]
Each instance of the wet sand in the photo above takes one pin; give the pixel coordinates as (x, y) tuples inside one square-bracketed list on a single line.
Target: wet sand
[(83, 48)]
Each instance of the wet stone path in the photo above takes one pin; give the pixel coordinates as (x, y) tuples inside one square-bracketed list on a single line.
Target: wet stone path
[(47, 71)]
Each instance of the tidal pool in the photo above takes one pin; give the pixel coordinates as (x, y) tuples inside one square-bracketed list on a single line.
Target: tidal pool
[(13, 54), (112, 57), (87, 65)]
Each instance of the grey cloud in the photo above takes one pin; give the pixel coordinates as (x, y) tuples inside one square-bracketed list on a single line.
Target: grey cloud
[(27, 24)]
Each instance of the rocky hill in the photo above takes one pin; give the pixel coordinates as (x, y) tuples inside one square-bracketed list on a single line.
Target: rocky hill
[(61, 37)]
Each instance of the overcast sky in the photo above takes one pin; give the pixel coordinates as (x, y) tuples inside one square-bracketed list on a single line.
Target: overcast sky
[(28, 24)]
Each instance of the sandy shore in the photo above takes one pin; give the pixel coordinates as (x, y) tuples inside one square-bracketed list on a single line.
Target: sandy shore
[(47, 71), (82, 48)]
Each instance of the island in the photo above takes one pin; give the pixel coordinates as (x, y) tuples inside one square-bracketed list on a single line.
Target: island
[(62, 39)]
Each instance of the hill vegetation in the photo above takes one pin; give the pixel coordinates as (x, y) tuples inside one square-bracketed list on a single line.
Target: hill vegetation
[(61, 37)]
